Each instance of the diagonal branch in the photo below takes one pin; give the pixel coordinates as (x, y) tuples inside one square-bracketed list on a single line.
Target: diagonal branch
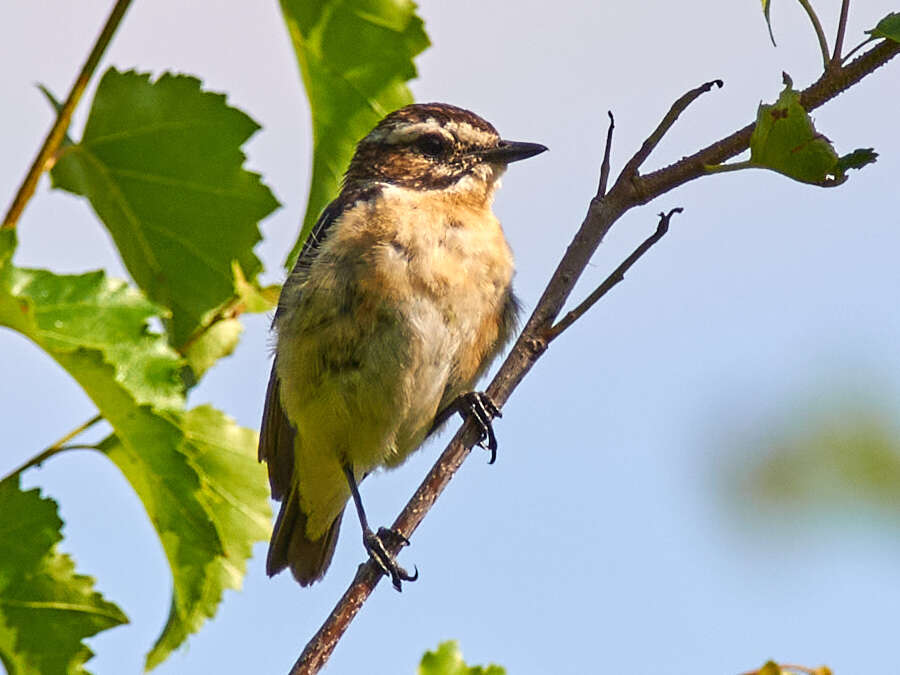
[(58, 130), (630, 190)]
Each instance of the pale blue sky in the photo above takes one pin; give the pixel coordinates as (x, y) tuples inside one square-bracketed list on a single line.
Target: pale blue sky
[(599, 539)]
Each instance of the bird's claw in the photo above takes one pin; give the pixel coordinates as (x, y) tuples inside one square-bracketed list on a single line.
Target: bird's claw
[(377, 545), (483, 410)]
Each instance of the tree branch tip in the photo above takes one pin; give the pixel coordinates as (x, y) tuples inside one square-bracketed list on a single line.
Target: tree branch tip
[(668, 216), (604, 165)]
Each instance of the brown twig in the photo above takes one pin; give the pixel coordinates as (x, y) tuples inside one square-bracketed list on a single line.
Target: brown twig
[(616, 277), (64, 117), (829, 85), (653, 139), (601, 215), (604, 165), (841, 30)]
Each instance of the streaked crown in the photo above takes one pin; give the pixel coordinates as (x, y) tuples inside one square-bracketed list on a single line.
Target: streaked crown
[(431, 146)]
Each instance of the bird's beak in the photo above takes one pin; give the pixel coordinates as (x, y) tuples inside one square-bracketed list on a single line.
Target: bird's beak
[(512, 151)]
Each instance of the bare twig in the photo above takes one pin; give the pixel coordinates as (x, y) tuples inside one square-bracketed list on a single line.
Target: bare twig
[(601, 215), (841, 30), (58, 130), (604, 165), (820, 34), (653, 139), (617, 276), (56, 448), (829, 85)]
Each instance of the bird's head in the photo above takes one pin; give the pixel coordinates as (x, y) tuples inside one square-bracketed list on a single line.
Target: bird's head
[(435, 146)]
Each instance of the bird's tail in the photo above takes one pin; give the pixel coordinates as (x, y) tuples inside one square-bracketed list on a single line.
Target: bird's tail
[(290, 547)]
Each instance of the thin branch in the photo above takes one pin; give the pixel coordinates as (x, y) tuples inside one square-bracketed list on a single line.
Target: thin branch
[(862, 44), (601, 216), (653, 139), (828, 86), (604, 165), (841, 30), (58, 447), (617, 276), (820, 34), (58, 130)]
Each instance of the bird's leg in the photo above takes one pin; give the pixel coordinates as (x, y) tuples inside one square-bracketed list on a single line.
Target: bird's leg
[(377, 543), (482, 409)]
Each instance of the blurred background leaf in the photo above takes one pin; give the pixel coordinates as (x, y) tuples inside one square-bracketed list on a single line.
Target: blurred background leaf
[(447, 660)]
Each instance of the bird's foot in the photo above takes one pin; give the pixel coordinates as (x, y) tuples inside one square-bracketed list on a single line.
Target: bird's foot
[(377, 545), (483, 410)]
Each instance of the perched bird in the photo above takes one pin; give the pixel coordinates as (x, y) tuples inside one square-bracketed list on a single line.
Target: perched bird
[(399, 301)]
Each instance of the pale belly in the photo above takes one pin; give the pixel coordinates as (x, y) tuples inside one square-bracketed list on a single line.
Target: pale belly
[(364, 403)]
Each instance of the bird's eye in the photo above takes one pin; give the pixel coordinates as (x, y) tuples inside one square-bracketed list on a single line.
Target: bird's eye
[(431, 145)]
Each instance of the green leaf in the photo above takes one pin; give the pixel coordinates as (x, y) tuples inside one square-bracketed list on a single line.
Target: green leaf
[(160, 162), (217, 341), (46, 610), (354, 57), (206, 495), (196, 472), (767, 7), (71, 315), (252, 297), (234, 493), (888, 27), (785, 140), (857, 159), (847, 458), (448, 660)]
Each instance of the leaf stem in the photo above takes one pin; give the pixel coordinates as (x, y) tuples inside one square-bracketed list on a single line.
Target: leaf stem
[(64, 117), (857, 48), (841, 30), (730, 166), (820, 34), (58, 447)]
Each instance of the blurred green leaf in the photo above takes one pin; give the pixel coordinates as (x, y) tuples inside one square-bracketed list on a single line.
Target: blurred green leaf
[(447, 660), (354, 57), (785, 140), (160, 162), (46, 610), (888, 27), (843, 457)]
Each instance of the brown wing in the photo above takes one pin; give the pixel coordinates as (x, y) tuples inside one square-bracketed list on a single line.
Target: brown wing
[(276, 440), (290, 547)]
